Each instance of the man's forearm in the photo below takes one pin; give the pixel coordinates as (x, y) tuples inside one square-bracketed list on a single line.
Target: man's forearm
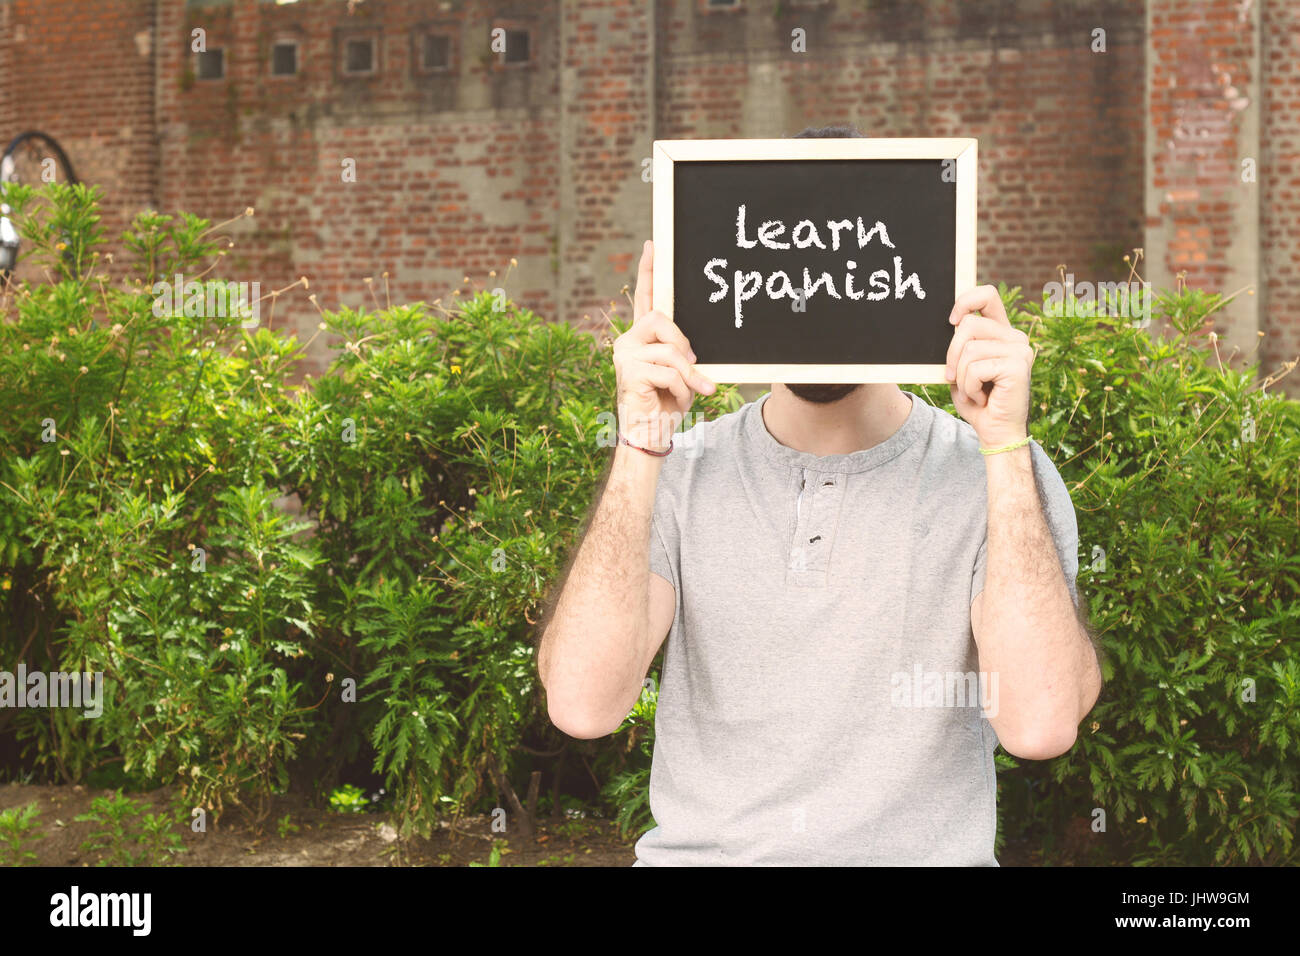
[(1030, 634), (595, 648)]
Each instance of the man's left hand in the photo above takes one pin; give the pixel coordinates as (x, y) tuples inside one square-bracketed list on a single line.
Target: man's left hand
[(989, 362)]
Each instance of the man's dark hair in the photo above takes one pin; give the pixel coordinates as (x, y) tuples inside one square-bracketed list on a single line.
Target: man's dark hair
[(830, 132)]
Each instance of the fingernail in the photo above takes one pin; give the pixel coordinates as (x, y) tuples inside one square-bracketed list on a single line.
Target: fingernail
[(693, 360)]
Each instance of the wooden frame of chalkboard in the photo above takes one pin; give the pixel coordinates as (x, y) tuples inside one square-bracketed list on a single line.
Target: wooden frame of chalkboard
[(957, 155)]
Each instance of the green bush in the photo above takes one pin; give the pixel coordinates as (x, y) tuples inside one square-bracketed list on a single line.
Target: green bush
[(19, 827), (628, 788), (1184, 480), (349, 798), (124, 835), (131, 437), (439, 471)]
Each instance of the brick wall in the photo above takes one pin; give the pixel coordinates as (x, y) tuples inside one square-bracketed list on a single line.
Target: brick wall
[(1060, 128), (448, 174), (1083, 154), (1279, 187), (84, 74), (1203, 105), (607, 127)]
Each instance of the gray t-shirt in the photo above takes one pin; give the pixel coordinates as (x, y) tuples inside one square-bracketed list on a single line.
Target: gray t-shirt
[(819, 700)]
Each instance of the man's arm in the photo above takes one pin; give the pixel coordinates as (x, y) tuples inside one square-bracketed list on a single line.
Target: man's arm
[(1024, 621), (1025, 624), (612, 613)]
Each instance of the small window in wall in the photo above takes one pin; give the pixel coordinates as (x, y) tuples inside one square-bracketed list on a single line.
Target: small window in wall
[(211, 64), (518, 47), (359, 56), (284, 58), (721, 4), (435, 52)]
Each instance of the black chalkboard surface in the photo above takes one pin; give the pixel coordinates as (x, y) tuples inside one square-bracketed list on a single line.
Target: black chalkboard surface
[(819, 268)]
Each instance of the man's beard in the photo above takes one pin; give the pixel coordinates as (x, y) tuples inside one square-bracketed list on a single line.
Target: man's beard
[(823, 394)]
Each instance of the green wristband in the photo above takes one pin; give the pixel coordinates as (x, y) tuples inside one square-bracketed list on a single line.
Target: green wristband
[(1014, 445)]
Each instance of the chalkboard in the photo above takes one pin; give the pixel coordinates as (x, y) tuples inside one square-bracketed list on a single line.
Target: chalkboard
[(815, 260)]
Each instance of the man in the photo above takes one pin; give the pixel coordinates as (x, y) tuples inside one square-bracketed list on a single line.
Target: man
[(858, 603)]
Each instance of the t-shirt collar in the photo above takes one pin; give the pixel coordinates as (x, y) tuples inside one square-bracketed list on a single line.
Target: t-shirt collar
[(761, 439)]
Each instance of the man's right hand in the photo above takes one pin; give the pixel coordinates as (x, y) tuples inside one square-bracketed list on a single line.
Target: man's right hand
[(653, 365)]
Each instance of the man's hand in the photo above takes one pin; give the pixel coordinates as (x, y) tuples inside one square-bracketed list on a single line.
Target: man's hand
[(988, 367), (653, 366)]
